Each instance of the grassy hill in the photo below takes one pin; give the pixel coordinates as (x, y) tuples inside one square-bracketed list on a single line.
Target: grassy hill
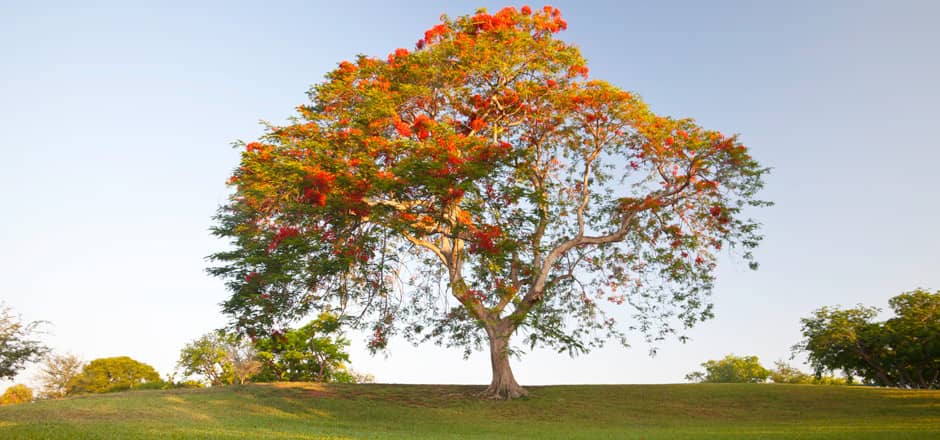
[(304, 410)]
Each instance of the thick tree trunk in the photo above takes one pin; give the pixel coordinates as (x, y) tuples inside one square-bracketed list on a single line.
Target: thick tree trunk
[(504, 385)]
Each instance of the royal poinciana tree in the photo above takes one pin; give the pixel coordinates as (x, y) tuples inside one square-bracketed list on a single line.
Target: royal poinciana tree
[(478, 187)]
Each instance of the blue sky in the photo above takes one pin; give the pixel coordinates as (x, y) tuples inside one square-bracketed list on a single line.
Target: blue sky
[(118, 117)]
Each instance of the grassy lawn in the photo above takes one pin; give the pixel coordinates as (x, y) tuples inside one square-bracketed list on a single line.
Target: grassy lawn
[(303, 411)]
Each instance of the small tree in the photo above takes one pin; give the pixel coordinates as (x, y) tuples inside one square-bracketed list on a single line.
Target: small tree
[(57, 372), (903, 351), (785, 373), (310, 353), (112, 374), (18, 345), (731, 369), (207, 357), (358, 377), (478, 187), (16, 394), (220, 358), (243, 358)]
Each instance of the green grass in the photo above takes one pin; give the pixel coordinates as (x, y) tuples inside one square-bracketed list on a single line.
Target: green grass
[(303, 411)]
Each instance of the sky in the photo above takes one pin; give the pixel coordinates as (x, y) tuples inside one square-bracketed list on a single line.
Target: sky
[(118, 118)]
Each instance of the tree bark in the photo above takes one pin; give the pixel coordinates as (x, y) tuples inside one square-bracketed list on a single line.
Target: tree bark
[(503, 385)]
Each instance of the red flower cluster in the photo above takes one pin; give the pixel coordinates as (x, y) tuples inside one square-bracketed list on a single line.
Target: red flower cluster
[(550, 20), (283, 233), (403, 129), (317, 184), (484, 240), (478, 102), (578, 70), (347, 67), (421, 125), (399, 53), (378, 339), (431, 35), (475, 295)]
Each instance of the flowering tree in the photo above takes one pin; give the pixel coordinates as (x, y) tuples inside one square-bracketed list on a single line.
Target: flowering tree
[(481, 186)]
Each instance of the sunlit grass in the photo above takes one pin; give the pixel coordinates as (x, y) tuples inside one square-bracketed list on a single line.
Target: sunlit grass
[(303, 411)]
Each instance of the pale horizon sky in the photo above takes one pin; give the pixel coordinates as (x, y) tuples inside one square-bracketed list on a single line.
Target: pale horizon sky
[(118, 119)]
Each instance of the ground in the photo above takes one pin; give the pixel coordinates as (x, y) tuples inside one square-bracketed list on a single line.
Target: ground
[(374, 411)]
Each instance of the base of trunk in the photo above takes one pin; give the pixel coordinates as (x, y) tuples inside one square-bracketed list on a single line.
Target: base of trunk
[(503, 385), (504, 392)]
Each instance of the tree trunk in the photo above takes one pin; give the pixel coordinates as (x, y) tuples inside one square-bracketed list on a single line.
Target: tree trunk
[(504, 385)]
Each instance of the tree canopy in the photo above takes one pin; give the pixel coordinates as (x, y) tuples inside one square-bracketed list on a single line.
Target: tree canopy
[(208, 356), (57, 372), (479, 186), (312, 353), (18, 393), (731, 369), (112, 374), (903, 351)]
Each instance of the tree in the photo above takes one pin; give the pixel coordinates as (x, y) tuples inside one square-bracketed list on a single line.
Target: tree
[(58, 370), (731, 369), (16, 394), (17, 344), (785, 373), (112, 374), (481, 186), (308, 353), (242, 357), (903, 351), (221, 358), (207, 357)]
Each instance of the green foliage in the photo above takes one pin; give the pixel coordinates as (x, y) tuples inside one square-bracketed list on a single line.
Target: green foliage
[(731, 369), (188, 384), (18, 345), (155, 385), (16, 394), (785, 373), (903, 351), (314, 352), (58, 370), (114, 374), (221, 358), (207, 357)]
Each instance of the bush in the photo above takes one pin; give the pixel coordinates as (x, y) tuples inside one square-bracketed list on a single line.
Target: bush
[(16, 394), (155, 385), (188, 384)]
